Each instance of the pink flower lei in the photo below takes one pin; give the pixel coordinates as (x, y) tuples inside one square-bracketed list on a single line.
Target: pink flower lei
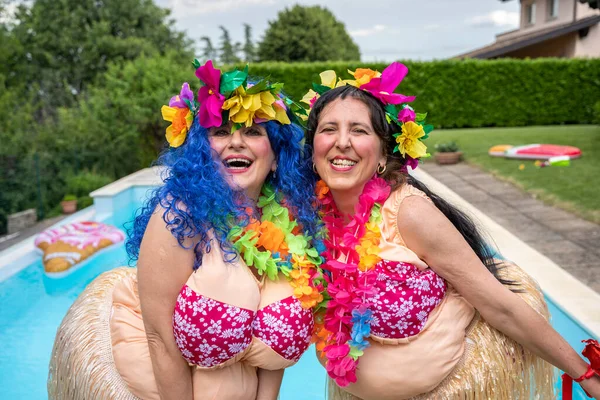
[(350, 280)]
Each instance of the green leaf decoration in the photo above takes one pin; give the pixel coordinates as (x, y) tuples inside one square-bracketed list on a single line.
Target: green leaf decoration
[(355, 353), (259, 87), (396, 149), (428, 129), (232, 80), (234, 232), (235, 127), (271, 269), (296, 244), (267, 196), (196, 63), (276, 87), (260, 260), (312, 252), (420, 117), (392, 110), (249, 255), (320, 89), (375, 214)]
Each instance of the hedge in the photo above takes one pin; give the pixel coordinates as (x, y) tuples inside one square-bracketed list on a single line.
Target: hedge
[(476, 93)]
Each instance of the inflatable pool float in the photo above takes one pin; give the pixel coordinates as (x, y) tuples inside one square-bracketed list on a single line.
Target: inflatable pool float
[(70, 244), (534, 151)]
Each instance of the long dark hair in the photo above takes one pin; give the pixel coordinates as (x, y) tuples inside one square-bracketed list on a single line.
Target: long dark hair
[(395, 173)]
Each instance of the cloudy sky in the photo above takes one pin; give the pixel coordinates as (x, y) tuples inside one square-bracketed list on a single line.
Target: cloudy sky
[(385, 30)]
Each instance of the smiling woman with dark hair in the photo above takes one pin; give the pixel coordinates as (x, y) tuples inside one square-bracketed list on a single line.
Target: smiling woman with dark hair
[(227, 275), (419, 306)]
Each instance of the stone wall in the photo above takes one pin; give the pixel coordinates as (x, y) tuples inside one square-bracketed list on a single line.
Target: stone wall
[(21, 220)]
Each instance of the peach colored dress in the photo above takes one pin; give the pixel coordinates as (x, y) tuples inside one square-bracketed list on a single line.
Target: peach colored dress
[(399, 364), (226, 324)]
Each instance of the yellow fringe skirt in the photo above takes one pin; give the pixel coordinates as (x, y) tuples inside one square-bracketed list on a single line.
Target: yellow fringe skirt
[(493, 366), (82, 364)]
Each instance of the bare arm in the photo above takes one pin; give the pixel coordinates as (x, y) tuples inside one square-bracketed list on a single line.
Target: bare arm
[(434, 239), (163, 268), (269, 383)]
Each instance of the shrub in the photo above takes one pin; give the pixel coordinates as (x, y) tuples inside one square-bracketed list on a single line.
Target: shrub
[(84, 202), (69, 197), (476, 93), (83, 183), (446, 147)]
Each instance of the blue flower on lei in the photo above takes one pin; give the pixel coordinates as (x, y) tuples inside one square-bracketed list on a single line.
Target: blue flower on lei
[(361, 329)]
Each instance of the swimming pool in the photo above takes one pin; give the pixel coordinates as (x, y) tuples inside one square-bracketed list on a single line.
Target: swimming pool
[(33, 307)]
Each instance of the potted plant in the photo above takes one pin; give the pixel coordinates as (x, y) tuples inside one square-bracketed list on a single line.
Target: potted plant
[(69, 204), (447, 153)]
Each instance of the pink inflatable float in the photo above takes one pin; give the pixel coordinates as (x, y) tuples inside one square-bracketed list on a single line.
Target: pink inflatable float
[(70, 244), (534, 151)]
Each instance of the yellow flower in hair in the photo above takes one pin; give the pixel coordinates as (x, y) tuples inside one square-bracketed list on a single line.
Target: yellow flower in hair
[(280, 113), (408, 141), (310, 97), (181, 120), (363, 76), (328, 78), (243, 108)]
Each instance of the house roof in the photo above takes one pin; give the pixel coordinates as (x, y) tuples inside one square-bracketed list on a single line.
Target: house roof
[(515, 43)]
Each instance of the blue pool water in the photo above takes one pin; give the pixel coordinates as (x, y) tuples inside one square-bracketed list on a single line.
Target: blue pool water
[(32, 307)]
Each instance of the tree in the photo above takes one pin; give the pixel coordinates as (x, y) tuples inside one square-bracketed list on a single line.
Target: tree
[(208, 51), (227, 50), (248, 49), (119, 121), (70, 42), (307, 34)]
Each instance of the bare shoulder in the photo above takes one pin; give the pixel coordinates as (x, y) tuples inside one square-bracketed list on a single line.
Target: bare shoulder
[(417, 214), (427, 231), (161, 255)]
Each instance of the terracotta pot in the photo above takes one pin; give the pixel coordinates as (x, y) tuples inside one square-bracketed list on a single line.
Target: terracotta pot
[(69, 206), (448, 158)]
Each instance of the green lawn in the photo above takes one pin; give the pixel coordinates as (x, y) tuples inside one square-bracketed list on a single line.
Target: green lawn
[(575, 188)]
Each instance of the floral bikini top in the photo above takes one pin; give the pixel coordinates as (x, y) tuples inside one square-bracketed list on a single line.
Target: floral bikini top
[(225, 315)]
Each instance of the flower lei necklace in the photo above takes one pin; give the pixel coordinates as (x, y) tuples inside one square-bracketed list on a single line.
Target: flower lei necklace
[(276, 244), (350, 257)]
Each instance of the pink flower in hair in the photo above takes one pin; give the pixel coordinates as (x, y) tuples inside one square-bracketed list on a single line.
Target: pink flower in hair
[(383, 87), (211, 101)]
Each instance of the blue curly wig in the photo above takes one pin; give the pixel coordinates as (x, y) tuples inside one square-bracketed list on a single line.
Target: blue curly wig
[(196, 197)]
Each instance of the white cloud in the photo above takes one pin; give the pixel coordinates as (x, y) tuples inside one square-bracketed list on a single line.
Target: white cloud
[(188, 8), (369, 31), (432, 27), (499, 18)]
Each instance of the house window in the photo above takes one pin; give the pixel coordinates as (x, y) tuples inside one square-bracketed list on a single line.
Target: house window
[(552, 9), (530, 14)]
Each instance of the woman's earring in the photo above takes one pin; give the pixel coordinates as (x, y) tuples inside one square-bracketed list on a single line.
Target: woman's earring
[(381, 169), (315, 168)]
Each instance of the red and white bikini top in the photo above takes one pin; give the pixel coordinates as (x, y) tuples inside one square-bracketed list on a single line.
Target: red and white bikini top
[(225, 315)]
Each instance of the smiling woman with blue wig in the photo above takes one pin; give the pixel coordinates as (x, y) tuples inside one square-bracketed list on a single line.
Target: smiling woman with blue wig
[(228, 273)]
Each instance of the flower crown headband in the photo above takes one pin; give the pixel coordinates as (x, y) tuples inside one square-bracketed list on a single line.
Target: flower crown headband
[(226, 97), (382, 85)]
